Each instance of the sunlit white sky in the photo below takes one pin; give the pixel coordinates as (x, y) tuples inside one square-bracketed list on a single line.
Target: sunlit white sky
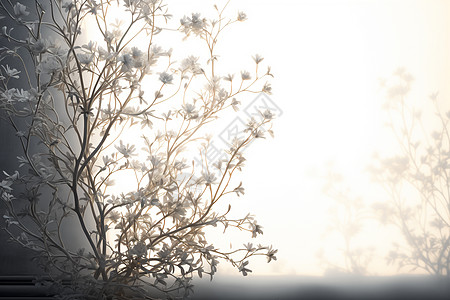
[(327, 57)]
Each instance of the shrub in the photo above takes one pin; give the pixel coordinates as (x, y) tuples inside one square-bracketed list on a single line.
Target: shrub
[(72, 120)]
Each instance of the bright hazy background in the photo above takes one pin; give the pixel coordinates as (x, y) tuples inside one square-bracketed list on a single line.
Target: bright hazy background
[(327, 58)]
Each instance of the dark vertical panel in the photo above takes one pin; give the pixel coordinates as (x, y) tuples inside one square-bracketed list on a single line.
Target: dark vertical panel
[(14, 259)]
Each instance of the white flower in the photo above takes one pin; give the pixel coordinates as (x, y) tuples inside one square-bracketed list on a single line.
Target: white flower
[(258, 58), (180, 165), (267, 88), (7, 197), (85, 59), (103, 54), (138, 57), (40, 46), (114, 216), (20, 10), (214, 84), (193, 24), (49, 64), (157, 50), (23, 96), (241, 16), (8, 95), (136, 165), (127, 62), (251, 124), (249, 247), (6, 185), (93, 7), (110, 37), (108, 111), (258, 134), (235, 104), (239, 189), (11, 72), (132, 59), (10, 221), (166, 78), (136, 53), (140, 249), (256, 229), (267, 114), (245, 75), (107, 160), (89, 46), (127, 150), (191, 64), (190, 111), (271, 254), (156, 161), (243, 269), (209, 178), (229, 77), (223, 95), (196, 21)]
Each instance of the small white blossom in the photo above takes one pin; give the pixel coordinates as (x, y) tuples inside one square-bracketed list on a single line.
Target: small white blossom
[(249, 247), (127, 62), (229, 77), (258, 58), (10, 221), (271, 254), (138, 57), (209, 178), (6, 185), (156, 161), (191, 64), (241, 16), (214, 84), (89, 46), (140, 249), (49, 64), (256, 229), (239, 190), (235, 104), (20, 10), (267, 88), (190, 111), (11, 72), (107, 160), (193, 24), (136, 53), (40, 46), (243, 269), (93, 7), (127, 150), (85, 58), (23, 96), (267, 114), (245, 75), (114, 216), (166, 78), (8, 95)]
